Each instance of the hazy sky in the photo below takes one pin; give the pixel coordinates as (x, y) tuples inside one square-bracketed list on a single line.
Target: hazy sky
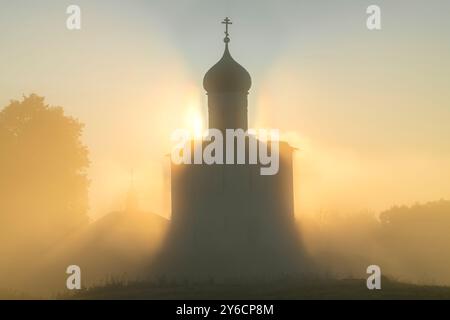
[(369, 110)]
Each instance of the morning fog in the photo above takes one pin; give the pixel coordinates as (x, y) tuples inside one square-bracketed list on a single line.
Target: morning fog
[(263, 148)]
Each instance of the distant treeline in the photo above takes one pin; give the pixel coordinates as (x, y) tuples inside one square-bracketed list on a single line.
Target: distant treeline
[(410, 243)]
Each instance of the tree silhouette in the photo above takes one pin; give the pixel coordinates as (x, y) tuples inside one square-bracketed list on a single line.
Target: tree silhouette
[(43, 181)]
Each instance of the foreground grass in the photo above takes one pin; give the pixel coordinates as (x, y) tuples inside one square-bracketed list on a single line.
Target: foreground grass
[(353, 289), (7, 294)]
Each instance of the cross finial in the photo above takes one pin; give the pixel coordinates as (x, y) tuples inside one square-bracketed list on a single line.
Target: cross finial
[(227, 22)]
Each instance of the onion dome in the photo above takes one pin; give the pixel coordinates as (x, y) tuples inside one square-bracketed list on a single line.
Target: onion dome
[(227, 75)]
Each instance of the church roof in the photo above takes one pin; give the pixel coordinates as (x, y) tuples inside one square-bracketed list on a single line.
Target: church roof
[(227, 75)]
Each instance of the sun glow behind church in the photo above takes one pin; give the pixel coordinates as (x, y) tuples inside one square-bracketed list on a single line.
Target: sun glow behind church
[(195, 121)]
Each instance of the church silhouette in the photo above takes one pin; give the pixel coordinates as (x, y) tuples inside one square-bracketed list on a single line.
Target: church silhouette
[(229, 221)]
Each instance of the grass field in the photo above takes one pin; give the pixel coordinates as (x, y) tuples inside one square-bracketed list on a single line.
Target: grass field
[(281, 290)]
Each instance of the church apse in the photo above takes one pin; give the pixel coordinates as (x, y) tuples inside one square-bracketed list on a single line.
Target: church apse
[(229, 220)]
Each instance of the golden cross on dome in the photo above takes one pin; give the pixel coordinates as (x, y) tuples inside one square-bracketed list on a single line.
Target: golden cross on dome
[(227, 22)]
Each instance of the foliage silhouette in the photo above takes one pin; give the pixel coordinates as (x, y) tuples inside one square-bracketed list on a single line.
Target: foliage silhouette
[(43, 180)]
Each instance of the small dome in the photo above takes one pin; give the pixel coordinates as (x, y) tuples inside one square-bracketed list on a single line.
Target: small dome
[(227, 76)]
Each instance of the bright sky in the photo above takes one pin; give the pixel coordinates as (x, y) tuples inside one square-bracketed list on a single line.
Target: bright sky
[(369, 110)]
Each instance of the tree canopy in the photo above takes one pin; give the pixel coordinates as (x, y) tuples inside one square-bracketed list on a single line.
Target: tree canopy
[(43, 179)]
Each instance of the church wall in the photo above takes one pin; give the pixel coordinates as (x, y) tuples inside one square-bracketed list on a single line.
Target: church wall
[(232, 212)]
